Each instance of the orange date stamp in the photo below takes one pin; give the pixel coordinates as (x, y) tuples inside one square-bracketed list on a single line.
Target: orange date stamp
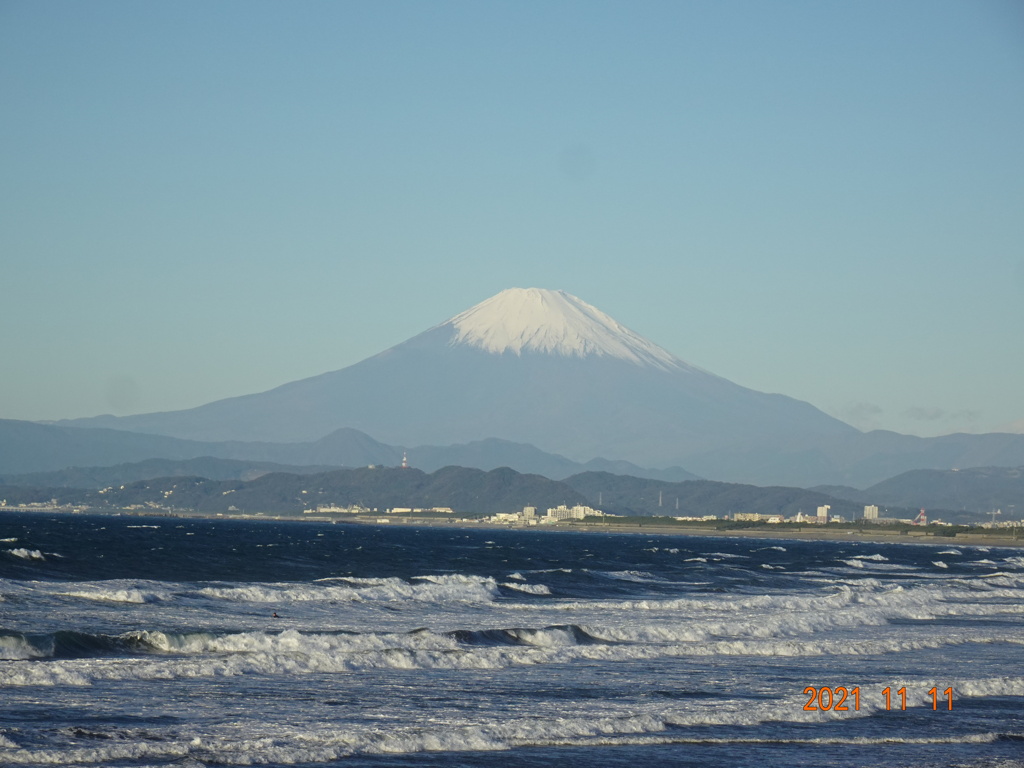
[(843, 699)]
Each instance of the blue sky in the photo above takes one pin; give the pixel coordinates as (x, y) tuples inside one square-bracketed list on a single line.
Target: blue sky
[(823, 199)]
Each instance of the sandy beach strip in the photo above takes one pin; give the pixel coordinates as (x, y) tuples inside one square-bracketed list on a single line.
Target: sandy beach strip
[(876, 536)]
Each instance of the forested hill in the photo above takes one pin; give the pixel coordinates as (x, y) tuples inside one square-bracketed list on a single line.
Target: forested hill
[(466, 491)]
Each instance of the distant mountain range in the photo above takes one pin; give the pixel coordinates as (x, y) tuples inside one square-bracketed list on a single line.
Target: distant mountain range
[(467, 491), (94, 478), (534, 379), (62, 456), (978, 489), (955, 496)]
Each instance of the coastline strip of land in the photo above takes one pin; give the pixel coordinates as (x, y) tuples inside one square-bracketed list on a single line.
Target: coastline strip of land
[(877, 535), (1012, 539)]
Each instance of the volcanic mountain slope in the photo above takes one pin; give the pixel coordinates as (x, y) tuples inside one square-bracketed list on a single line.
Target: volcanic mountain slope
[(527, 365)]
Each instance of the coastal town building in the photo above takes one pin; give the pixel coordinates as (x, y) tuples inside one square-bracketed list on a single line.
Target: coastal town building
[(528, 515), (578, 512), (418, 510), (359, 509), (747, 517), (756, 517), (333, 509)]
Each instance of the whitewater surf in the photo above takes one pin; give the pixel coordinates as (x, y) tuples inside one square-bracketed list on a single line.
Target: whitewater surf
[(123, 645)]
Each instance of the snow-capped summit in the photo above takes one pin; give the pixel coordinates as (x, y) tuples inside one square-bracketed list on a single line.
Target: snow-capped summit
[(521, 320)]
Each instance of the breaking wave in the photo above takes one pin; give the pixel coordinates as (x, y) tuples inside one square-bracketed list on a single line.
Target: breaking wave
[(433, 589), (26, 554)]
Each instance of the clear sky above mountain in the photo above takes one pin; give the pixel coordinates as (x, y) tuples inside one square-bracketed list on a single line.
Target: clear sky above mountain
[(201, 200)]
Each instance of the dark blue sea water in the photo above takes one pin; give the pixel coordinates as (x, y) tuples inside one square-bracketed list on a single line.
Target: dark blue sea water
[(153, 642)]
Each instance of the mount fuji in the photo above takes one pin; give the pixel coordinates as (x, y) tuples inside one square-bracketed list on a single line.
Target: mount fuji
[(531, 366)]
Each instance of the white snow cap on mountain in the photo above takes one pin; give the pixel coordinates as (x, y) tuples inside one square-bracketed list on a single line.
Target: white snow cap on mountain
[(521, 320)]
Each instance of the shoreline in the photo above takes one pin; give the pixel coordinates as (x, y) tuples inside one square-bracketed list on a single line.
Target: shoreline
[(870, 536), (633, 529)]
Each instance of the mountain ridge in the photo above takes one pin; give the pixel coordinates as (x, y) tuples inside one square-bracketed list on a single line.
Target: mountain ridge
[(47, 453), (979, 489), (467, 491)]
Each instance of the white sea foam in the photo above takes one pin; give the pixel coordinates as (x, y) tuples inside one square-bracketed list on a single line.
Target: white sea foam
[(876, 565), (17, 647), (207, 655), (26, 554), (726, 639), (6, 743), (640, 577), (530, 589), (445, 588), (993, 686), (551, 637), (262, 742), (291, 641), (276, 743), (454, 578), (281, 744), (105, 755), (363, 581), (112, 595), (939, 564)]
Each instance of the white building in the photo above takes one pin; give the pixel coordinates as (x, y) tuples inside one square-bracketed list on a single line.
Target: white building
[(578, 512), (871, 512), (333, 509), (417, 510), (528, 517)]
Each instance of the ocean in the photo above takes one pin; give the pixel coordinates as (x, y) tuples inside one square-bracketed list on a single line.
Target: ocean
[(128, 641)]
